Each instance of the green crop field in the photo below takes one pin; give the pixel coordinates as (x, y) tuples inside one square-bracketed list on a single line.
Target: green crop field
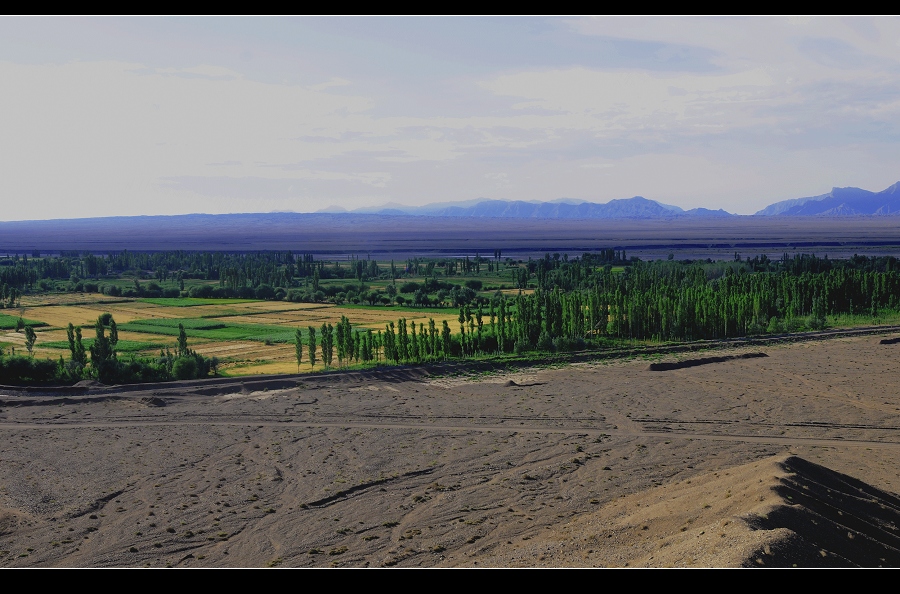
[(123, 346), (8, 322), (211, 330)]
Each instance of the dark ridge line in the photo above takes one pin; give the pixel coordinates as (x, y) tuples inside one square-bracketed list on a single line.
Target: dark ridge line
[(703, 361), (347, 492), (889, 341), (97, 504)]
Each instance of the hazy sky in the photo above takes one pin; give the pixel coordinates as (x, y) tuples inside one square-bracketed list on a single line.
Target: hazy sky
[(124, 116)]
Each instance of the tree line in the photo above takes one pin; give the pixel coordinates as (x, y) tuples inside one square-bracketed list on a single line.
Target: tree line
[(104, 363), (575, 304)]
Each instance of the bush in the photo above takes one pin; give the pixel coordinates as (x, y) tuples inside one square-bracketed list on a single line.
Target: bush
[(19, 370), (792, 325), (565, 344), (754, 328), (184, 368), (265, 292), (201, 291), (545, 343), (814, 323), (489, 344)]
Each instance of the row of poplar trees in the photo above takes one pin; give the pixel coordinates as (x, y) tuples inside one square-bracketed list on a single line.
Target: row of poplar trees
[(665, 301)]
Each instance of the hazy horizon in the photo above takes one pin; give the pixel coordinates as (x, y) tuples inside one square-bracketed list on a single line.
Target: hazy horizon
[(109, 116)]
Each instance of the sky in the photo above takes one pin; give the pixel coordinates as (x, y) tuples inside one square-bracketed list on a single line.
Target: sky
[(110, 116)]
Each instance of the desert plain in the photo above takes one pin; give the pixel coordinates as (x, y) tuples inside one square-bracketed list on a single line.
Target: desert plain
[(778, 460)]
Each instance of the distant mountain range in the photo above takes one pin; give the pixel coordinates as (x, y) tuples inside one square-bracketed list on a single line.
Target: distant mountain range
[(627, 208), (839, 202)]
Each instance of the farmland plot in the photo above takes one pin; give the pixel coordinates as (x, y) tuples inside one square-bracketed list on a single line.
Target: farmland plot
[(247, 336)]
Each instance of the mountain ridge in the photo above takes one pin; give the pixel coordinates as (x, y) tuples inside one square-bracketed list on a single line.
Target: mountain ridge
[(636, 207), (839, 202)]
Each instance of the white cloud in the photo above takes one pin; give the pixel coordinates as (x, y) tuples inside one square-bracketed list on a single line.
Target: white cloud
[(334, 82), (639, 100)]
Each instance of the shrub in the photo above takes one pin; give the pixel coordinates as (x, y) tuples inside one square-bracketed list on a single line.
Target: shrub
[(409, 287), (265, 292), (184, 368), (545, 343), (568, 344)]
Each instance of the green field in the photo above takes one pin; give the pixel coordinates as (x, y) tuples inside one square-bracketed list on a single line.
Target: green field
[(123, 346), (8, 322), (211, 330)]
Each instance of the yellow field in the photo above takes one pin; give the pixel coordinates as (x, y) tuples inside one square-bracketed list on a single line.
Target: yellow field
[(61, 316), (237, 357), (64, 299), (360, 318)]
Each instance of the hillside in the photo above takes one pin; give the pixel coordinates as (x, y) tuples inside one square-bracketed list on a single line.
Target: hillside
[(840, 202)]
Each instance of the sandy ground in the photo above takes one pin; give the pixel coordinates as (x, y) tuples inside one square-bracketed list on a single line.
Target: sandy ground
[(789, 459)]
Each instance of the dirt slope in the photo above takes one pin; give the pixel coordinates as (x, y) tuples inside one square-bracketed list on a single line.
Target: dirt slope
[(778, 512), (556, 467)]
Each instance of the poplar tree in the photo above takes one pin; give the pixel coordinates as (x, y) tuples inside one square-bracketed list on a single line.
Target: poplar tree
[(30, 338), (80, 352), (327, 343), (433, 335), (298, 347), (341, 342), (402, 340), (445, 336), (113, 336), (70, 334), (414, 343), (390, 344), (182, 349), (311, 345)]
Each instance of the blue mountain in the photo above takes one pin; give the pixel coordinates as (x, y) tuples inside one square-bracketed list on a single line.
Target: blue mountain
[(840, 202)]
